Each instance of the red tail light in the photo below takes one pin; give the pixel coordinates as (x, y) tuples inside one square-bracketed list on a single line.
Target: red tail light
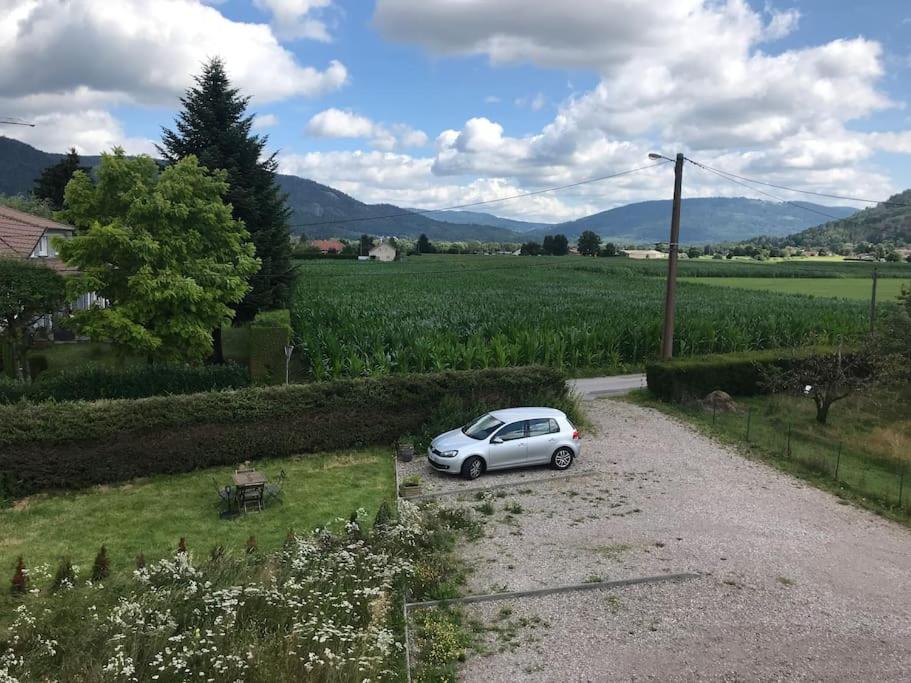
[(576, 435)]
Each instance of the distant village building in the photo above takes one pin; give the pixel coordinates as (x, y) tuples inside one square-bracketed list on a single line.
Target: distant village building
[(327, 246), (382, 252), (643, 254)]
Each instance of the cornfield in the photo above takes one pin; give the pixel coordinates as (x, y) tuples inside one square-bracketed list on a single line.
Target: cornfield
[(427, 314)]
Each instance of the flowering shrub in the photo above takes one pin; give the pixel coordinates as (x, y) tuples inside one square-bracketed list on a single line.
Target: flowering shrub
[(325, 607)]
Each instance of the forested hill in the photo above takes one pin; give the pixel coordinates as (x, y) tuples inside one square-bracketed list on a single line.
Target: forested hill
[(886, 222)]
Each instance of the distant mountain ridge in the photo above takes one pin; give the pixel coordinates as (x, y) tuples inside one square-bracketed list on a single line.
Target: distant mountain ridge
[(320, 211), (886, 222)]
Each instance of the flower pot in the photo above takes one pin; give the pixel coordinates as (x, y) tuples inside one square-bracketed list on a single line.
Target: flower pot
[(405, 452), (409, 490)]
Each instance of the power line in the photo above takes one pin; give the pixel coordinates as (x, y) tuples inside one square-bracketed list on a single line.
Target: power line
[(15, 122), (481, 203), (794, 189), (722, 174)]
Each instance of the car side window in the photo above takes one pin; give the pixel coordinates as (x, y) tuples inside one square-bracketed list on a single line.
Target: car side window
[(513, 431), (539, 427), (554, 427)]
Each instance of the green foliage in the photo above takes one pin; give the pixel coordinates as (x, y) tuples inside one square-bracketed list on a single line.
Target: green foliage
[(214, 127), (94, 382), (76, 444), (28, 291), (267, 353), (28, 203), (555, 245), (890, 223), (739, 374), (101, 567), (531, 249), (589, 243), (424, 246), (162, 249), (609, 250), (51, 184)]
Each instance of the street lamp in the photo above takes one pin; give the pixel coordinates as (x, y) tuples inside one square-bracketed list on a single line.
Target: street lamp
[(670, 298)]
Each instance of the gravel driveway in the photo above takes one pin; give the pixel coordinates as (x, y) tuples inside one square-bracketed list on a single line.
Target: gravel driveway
[(794, 585)]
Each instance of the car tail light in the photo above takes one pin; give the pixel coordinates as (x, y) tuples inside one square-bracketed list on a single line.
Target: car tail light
[(576, 435)]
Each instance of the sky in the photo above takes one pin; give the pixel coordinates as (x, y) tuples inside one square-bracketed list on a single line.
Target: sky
[(434, 103)]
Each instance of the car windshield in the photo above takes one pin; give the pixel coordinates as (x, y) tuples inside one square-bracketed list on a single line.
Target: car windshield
[(482, 427)]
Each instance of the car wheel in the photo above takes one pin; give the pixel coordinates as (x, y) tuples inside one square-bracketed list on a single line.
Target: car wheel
[(472, 468), (562, 458)]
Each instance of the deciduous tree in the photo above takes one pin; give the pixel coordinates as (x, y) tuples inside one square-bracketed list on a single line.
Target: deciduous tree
[(589, 243), (164, 251), (28, 291)]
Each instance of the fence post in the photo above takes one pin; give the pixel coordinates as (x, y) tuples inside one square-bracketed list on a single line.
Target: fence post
[(749, 419), (837, 460), (789, 440)]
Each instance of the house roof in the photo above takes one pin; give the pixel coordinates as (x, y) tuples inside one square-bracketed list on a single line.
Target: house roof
[(326, 245), (20, 231)]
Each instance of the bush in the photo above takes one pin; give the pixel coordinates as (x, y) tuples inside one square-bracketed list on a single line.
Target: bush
[(267, 353), (93, 382), (739, 374), (71, 445)]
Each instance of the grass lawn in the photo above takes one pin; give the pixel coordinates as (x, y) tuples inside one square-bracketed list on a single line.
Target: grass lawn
[(867, 442), (888, 289), (67, 355), (150, 515)]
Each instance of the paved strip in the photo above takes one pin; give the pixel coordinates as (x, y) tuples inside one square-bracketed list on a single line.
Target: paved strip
[(590, 388), (498, 487), (594, 585)]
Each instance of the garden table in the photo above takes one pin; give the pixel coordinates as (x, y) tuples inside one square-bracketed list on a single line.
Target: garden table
[(250, 486)]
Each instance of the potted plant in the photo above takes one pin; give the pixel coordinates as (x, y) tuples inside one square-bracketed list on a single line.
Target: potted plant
[(404, 448), (411, 486)]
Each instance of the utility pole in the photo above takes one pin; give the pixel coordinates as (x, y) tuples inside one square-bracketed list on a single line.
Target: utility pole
[(873, 300), (670, 299)]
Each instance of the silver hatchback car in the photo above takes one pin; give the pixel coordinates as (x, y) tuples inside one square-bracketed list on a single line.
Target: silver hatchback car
[(514, 437)]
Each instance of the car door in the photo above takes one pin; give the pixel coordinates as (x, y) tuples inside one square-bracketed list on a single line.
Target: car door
[(507, 446), (541, 441)]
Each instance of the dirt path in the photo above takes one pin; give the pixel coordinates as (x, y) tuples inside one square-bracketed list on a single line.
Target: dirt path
[(793, 584)]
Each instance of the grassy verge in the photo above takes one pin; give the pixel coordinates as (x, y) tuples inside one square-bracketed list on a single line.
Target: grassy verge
[(861, 456)]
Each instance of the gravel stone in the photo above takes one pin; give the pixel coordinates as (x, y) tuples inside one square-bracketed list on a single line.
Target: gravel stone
[(793, 584)]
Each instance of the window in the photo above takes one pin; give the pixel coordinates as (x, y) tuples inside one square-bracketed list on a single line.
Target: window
[(482, 427), (42, 246), (539, 427), (554, 427), (513, 431)]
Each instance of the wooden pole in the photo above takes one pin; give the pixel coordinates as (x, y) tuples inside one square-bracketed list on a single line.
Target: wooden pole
[(670, 299)]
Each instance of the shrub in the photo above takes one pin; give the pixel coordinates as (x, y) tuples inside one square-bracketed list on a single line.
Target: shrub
[(93, 382), (19, 584), (101, 568), (76, 444), (739, 374), (267, 353)]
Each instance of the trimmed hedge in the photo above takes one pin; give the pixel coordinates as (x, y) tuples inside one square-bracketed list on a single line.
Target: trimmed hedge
[(739, 374), (73, 445), (93, 382)]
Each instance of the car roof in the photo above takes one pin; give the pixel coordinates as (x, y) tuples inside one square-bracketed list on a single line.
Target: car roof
[(513, 414)]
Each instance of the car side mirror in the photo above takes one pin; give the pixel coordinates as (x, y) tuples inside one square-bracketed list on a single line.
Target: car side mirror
[(496, 439)]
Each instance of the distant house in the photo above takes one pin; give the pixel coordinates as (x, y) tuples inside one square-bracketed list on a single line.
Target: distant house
[(327, 246), (26, 236), (643, 254), (382, 252)]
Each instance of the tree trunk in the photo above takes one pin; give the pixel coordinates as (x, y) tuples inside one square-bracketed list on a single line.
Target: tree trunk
[(822, 411)]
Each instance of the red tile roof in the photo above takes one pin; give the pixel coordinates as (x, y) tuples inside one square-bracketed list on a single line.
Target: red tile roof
[(327, 245), (20, 231)]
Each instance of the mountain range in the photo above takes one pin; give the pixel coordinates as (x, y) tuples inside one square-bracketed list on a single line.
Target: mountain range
[(322, 211)]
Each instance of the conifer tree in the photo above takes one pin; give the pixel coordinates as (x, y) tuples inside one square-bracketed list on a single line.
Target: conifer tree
[(215, 127), (52, 181)]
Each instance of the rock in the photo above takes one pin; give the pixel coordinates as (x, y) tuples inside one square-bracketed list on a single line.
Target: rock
[(719, 401)]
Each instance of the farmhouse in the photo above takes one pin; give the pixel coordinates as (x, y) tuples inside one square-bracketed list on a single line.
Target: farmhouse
[(327, 246), (643, 254), (383, 252)]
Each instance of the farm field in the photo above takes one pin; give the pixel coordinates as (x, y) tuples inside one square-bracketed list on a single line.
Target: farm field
[(888, 289), (439, 312)]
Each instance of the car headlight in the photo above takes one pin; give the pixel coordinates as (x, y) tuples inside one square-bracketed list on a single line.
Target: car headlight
[(449, 454)]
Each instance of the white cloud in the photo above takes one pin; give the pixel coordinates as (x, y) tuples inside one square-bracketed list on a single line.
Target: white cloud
[(265, 121), (292, 19), (535, 103), (339, 123), (492, 99), (89, 131)]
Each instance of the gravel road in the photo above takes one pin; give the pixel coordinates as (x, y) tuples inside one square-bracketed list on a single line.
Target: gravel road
[(794, 585)]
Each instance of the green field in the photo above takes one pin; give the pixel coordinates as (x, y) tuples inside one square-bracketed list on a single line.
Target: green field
[(439, 312), (860, 289)]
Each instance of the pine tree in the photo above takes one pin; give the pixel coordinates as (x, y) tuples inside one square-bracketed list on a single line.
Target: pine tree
[(52, 181), (215, 127)]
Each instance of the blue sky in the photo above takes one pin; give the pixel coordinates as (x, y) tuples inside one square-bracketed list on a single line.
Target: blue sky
[(448, 101)]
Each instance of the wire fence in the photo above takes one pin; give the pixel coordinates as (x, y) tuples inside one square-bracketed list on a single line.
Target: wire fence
[(879, 478)]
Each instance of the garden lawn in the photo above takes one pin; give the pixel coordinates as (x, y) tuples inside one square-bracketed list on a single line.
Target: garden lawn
[(63, 356), (151, 515), (887, 289)]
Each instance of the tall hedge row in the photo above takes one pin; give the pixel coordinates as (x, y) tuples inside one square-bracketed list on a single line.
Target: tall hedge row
[(739, 374), (72, 445), (94, 382)]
